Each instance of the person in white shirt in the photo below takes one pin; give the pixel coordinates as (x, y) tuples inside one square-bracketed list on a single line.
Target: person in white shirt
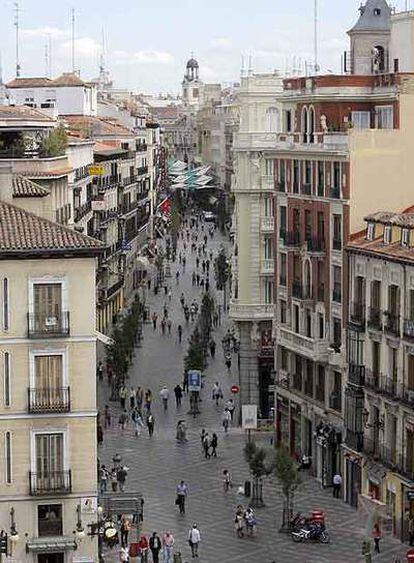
[(194, 538), (337, 483), (164, 394)]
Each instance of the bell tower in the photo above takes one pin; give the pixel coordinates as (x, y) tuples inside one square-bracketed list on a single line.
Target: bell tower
[(370, 38), (191, 84)]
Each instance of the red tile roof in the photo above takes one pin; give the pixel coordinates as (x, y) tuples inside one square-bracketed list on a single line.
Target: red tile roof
[(23, 113), (68, 79), (23, 187), (35, 82)]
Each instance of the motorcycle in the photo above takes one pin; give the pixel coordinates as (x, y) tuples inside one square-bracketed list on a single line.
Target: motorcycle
[(312, 532)]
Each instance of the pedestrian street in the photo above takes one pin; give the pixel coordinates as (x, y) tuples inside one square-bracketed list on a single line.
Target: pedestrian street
[(157, 465)]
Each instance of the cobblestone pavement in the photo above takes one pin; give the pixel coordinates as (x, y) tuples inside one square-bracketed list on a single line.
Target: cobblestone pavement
[(158, 464)]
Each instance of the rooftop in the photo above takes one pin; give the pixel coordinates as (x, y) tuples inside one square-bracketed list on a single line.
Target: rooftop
[(23, 113), (24, 232), (66, 79), (23, 187), (91, 127), (374, 16)]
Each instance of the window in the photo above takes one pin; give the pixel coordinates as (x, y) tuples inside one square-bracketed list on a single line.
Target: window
[(361, 119), (370, 231), (49, 520), (308, 175), (269, 167), (337, 284), (320, 226), (6, 367), (8, 457), (268, 207), (405, 237), (5, 304), (283, 358), (283, 221), (296, 220), (321, 178), (308, 225), (321, 326), (283, 311), (48, 302), (282, 174), (272, 120), (283, 269), (336, 178), (387, 234), (337, 232), (396, 65), (288, 121), (384, 117), (48, 373), (308, 323), (377, 11), (268, 248), (268, 291), (296, 318), (410, 379), (320, 384), (376, 358), (335, 400), (337, 332), (296, 174)]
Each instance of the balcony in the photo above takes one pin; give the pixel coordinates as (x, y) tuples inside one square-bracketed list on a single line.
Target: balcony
[(267, 267), (40, 325), (354, 440), (337, 296), (306, 189), (246, 312), (375, 318), (281, 187), (381, 383), (335, 401), (392, 323), (267, 224), (141, 170), (315, 245), (292, 239), (317, 350), (356, 374), (357, 316), (83, 210), (409, 329), (41, 401), (268, 183), (390, 457), (282, 234), (50, 483), (301, 291), (335, 193), (141, 148), (337, 244)]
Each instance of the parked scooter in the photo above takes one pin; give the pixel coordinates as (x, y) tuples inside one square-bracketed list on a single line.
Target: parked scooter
[(311, 532)]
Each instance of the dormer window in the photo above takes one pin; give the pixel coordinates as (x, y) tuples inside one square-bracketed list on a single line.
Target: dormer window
[(370, 231), (387, 234), (405, 237), (377, 11)]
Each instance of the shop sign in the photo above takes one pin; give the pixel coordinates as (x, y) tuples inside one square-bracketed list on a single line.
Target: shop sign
[(249, 417), (194, 380)]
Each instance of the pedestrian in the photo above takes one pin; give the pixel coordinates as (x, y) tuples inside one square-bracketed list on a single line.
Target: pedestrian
[(100, 371), (197, 262), (121, 476), (376, 534), (177, 277), (155, 547), (216, 393), (125, 528), (165, 311), (180, 333), (185, 381), (124, 555), (165, 289), (178, 392), (154, 318), (103, 479), (230, 406), (139, 396), (202, 436), (411, 529), (123, 421), (194, 539), (163, 325), (150, 425), (143, 547), (213, 445), (227, 361), (169, 325), (251, 522), (132, 399), (337, 483), (207, 285), (107, 417), (226, 480), (99, 434), (169, 295), (182, 492), (198, 279), (168, 546), (123, 392), (182, 300), (138, 422), (239, 521), (148, 400), (226, 419), (206, 446), (114, 481), (193, 279), (181, 431), (109, 374), (164, 394)]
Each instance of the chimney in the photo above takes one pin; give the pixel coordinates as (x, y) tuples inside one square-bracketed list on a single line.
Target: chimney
[(6, 182)]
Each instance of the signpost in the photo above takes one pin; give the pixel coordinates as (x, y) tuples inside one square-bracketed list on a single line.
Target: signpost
[(96, 170), (249, 419), (194, 388), (234, 389)]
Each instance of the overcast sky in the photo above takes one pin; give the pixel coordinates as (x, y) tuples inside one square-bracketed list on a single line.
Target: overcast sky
[(148, 43)]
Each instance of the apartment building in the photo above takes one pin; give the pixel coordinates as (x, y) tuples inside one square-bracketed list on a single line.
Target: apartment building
[(345, 140), (252, 305), (379, 442), (48, 485)]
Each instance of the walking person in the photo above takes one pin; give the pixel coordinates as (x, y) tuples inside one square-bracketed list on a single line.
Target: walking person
[(213, 445), (125, 529), (230, 407), (194, 539), (226, 480), (164, 395), (103, 479), (100, 371), (178, 392), (226, 419), (124, 555), (150, 425), (337, 484), (168, 546), (143, 547), (182, 492), (123, 421), (239, 521), (148, 400), (138, 422), (212, 346), (155, 547), (123, 392), (132, 399), (206, 446), (121, 476), (216, 393), (169, 325), (154, 318), (376, 534), (180, 333), (107, 417), (185, 381), (114, 481), (139, 397)]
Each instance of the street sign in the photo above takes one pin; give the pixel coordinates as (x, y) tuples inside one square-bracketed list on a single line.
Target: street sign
[(96, 170), (194, 380), (235, 389), (249, 417)]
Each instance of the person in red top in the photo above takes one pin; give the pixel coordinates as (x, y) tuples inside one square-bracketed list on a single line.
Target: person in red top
[(143, 549)]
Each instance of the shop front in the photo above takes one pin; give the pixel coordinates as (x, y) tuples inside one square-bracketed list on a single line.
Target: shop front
[(266, 367), (352, 477), (328, 453), (282, 421), (407, 508), (295, 430)]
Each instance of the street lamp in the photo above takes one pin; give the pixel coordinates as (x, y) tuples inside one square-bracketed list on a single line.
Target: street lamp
[(14, 536), (79, 532)]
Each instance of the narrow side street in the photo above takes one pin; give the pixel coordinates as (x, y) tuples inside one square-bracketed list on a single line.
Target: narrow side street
[(157, 465)]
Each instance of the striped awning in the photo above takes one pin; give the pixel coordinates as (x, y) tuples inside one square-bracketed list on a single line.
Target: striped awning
[(50, 544)]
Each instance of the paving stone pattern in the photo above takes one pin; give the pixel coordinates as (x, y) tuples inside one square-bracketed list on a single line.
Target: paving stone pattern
[(158, 464)]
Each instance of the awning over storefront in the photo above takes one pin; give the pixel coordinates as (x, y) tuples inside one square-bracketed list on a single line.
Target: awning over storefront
[(103, 338), (50, 545)]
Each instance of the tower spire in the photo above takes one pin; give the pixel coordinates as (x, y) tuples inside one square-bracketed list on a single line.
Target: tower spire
[(17, 27)]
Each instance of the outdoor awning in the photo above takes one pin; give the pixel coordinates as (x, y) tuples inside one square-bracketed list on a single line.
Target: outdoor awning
[(50, 544), (103, 338)]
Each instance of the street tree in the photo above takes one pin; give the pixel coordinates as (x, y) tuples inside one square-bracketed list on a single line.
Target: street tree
[(260, 462), (285, 470), (222, 272)]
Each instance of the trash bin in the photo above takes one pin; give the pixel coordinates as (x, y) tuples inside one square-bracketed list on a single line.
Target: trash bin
[(247, 488)]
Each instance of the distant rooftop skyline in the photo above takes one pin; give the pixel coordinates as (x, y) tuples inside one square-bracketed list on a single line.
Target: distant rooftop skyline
[(146, 48)]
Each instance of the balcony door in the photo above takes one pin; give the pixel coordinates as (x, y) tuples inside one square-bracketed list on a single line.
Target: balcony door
[(47, 305), (49, 460), (48, 378)]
